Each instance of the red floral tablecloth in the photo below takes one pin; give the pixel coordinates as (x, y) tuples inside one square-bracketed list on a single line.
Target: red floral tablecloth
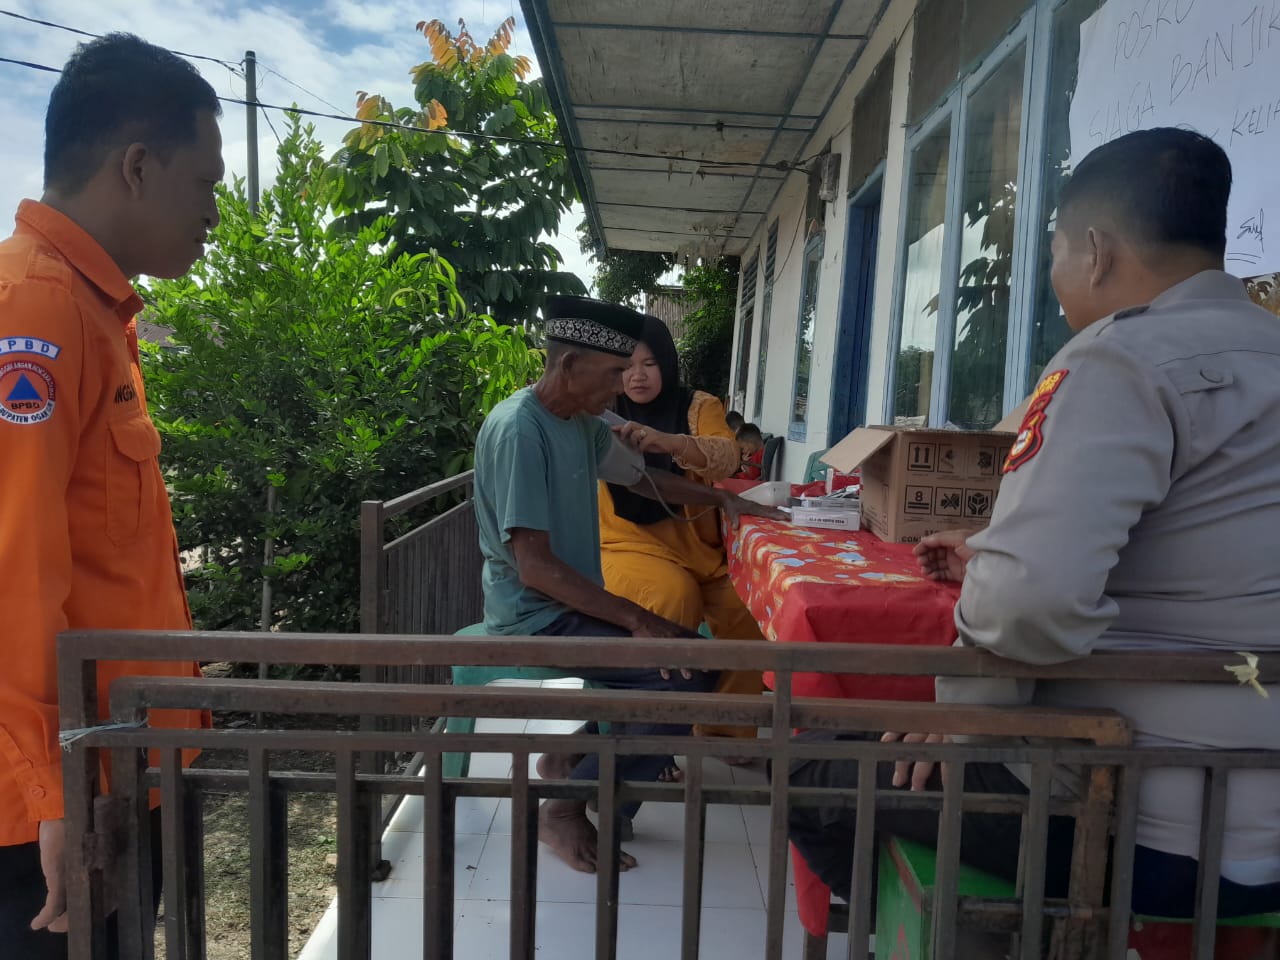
[(805, 585), (818, 585)]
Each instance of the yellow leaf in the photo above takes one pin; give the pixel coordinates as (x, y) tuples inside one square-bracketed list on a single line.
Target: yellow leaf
[(523, 66), (1247, 673), (435, 115)]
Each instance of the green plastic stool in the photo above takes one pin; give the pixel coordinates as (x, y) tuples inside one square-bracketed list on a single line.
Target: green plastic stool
[(904, 897), (459, 764), (904, 902)]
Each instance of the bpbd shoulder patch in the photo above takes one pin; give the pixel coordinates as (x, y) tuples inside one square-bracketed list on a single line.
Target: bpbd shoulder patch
[(27, 393)]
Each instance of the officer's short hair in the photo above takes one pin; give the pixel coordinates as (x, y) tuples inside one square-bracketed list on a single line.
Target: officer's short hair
[(118, 90), (1165, 186)]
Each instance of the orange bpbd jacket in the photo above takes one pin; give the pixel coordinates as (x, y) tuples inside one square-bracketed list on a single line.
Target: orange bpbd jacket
[(86, 531)]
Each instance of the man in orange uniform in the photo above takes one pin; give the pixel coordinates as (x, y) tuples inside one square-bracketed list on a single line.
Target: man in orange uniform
[(132, 155)]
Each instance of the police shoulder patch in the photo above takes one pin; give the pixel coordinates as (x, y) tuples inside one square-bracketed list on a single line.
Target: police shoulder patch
[(1031, 434)]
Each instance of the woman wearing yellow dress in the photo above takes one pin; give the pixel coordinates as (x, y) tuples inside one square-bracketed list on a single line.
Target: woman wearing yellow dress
[(675, 566)]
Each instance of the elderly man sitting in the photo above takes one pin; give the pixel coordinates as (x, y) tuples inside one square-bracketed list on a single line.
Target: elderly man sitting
[(539, 456)]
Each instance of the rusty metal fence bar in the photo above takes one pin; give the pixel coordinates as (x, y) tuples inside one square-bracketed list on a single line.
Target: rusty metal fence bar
[(110, 839), (394, 571), (424, 581)]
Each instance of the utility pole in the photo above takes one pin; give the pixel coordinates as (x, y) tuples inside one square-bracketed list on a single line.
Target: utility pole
[(251, 124), (251, 132)]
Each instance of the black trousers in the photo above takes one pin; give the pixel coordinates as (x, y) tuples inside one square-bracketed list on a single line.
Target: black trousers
[(22, 895), (1164, 884), (644, 769)]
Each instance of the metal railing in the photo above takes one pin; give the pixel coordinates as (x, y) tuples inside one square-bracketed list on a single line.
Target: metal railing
[(426, 580), (110, 841), (422, 580)]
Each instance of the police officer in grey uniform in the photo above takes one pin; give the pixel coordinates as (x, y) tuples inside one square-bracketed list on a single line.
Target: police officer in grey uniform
[(1140, 510)]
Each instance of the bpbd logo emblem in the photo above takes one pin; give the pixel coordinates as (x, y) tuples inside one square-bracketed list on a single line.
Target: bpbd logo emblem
[(27, 393)]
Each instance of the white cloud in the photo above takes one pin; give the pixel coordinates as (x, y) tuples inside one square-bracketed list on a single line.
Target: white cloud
[(332, 50)]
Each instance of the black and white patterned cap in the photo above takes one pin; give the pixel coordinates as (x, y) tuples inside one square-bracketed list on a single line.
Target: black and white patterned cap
[(593, 324)]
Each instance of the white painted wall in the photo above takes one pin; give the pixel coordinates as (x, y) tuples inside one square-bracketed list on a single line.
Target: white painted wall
[(788, 208)]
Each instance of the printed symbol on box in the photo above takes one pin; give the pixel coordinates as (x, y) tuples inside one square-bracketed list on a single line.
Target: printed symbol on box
[(918, 500), (948, 461), (977, 503), (947, 501), (922, 457), (987, 461)]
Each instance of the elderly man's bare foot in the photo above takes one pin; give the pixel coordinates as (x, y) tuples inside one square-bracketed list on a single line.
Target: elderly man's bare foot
[(557, 766), (563, 826)]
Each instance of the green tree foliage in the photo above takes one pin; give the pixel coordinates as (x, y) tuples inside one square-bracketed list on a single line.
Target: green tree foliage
[(625, 276), (483, 204), (706, 347), (320, 366)]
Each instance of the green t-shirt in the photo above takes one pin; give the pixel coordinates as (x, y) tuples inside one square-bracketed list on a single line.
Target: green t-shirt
[(537, 471)]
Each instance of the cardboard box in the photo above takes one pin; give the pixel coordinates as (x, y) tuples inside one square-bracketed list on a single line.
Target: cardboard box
[(917, 482)]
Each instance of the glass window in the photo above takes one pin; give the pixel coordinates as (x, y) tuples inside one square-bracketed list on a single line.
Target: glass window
[(804, 338), (926, 214), (746, 323), (989, 187), (1049, 330), (766, 309)]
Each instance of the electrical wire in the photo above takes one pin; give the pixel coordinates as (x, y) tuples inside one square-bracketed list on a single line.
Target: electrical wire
[(267, 117), (781, 165), (86, 33), (314, 96), (28, 63)]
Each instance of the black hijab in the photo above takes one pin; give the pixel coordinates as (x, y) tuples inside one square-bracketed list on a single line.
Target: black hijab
[(668, 412)]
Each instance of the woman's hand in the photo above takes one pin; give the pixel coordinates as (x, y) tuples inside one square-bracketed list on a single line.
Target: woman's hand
[(648, 440)]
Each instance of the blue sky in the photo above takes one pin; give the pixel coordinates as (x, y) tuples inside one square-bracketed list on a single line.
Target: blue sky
[(333, 48)]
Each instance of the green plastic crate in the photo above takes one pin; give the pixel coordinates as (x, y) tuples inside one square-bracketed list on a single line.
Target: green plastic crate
[(904, 899)]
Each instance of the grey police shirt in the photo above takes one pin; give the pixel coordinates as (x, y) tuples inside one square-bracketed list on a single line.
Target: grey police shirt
[(1140, 510)]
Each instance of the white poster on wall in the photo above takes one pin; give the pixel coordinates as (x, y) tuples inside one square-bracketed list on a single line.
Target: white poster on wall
[(1208, 65)]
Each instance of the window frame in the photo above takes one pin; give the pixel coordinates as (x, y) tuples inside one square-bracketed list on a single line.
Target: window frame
[(769, 266), (748, 291), (1034, 33), (814, 251)]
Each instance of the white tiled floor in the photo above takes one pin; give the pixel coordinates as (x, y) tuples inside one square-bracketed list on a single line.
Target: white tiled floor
[(649, 913)]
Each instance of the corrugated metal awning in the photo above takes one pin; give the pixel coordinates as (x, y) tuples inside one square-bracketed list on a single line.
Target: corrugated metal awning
[(701, 106)]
